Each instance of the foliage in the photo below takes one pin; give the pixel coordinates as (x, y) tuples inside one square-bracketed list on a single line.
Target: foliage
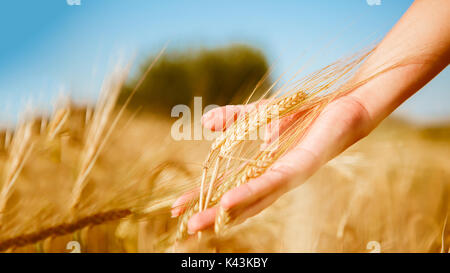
[(220, 76)]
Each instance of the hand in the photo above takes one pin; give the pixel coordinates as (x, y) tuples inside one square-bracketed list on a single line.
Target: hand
[(346, 120), (343, 118)]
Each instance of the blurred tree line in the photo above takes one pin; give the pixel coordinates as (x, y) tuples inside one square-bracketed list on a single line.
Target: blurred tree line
[(220, 76)]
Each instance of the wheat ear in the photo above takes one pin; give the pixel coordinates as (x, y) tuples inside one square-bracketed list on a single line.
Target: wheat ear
[(309, 94), (21, 149)]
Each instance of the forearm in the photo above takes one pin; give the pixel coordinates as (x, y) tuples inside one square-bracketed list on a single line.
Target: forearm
[(415, 51), (418, 47)]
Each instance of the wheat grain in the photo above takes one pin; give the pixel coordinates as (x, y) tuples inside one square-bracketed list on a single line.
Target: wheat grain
[(309, 95)]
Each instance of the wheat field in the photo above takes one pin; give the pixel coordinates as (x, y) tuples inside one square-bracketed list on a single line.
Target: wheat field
[(391, 188), (106, 177)]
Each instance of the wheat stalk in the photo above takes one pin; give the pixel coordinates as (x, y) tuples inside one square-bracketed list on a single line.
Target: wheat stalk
[(135, 210), (64, 228), (100, 124), (99, 135), (21, 149), (309, 95)]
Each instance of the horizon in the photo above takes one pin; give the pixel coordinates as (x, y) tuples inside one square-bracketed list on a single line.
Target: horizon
[(53, 46)]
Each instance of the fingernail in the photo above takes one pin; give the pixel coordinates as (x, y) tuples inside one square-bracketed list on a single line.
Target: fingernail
[(177, 211), (208, 116), (174, 213), (180, 201)]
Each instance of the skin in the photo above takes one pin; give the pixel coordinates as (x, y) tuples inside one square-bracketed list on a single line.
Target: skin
[(418, 47)]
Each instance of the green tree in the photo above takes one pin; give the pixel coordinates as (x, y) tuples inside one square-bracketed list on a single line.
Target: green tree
[(220, 76)]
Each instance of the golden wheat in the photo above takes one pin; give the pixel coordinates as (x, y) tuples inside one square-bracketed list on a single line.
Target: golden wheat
[(309, 95), (120, 177)]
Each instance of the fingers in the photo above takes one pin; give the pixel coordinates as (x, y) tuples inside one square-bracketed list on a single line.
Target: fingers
[(251, 197), (202, 220), (179, 206), (341, 124), (220, 118), (240, 216), (298, 163)]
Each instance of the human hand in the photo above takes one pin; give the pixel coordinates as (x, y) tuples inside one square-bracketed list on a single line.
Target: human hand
[(348, 118), (289, 171)]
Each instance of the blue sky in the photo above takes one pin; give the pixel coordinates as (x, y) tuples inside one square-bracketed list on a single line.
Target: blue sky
[(48, 46)]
